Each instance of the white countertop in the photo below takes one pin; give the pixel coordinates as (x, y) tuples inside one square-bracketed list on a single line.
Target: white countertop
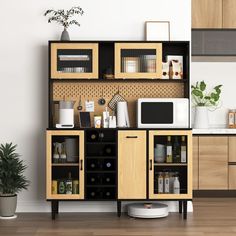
[(214, 131)]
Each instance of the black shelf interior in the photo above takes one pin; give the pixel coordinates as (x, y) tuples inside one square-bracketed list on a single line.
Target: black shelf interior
[(100, 164)]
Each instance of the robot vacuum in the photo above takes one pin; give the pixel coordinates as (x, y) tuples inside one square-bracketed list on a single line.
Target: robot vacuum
[(148, 210)]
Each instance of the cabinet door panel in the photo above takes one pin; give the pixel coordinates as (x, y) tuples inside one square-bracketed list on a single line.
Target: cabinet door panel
[(206, 13), (213, 162), (232, 149), (232, 177), (132, 163), (229, 10), (195, 162)]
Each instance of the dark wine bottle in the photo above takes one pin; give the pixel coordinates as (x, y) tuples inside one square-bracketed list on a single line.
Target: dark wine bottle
[(176, 150), (93, 136)]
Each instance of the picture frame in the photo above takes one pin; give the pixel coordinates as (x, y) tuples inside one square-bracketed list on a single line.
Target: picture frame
[(157, 30)]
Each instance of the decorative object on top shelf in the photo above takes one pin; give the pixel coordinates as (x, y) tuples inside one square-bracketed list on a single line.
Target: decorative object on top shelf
[(157, 30), (12, 179), (64, 18), (203, 100)]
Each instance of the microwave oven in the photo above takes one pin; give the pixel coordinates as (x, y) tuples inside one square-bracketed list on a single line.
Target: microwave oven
[(163, 113)]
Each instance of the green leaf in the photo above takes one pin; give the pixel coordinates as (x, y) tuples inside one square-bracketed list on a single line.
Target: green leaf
[(197, 93), (202, 85), (207, 97)]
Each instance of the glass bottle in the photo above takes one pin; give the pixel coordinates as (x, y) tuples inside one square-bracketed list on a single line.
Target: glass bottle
[(160, 183), (169, 154), (55, 157), (183, 150), (167, 183), (176, 150), (69, 184), (63, 156)]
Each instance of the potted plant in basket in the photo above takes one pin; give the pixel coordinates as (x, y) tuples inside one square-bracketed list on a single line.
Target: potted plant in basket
[(12, 179), (204, 100), (64, 18)]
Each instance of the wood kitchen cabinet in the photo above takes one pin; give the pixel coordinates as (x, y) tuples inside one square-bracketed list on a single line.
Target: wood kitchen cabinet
[(229, 12), (213, 162), (232, 149), (132, 164), (195, 162), (207, 13)]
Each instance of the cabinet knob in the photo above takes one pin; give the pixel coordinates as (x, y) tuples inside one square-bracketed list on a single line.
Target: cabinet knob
[(131, 136)]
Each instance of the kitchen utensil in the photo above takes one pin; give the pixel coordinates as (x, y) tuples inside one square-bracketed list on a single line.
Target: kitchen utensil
[(80, 104), (115, 99), (102, 101)]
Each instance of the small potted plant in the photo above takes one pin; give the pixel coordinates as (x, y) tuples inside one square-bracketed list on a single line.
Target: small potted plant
[(204, 100), (12, 180), (65, 18)]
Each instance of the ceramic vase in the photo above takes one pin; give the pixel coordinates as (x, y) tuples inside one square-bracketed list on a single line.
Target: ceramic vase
[(201, 118), (65, 35)]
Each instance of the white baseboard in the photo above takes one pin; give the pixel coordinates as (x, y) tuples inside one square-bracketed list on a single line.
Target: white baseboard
[(44, 206)]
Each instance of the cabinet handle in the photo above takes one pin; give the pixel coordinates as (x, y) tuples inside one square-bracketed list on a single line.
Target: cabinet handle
[(131, 136), (81, 164), (150, 165)]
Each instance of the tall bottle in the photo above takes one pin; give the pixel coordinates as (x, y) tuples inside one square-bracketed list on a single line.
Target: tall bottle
[(176, 150), (169, 153), (55, 157), (160, 183), (176, 186), (63, 156), (167, 182), (183, 150), (69, 184)]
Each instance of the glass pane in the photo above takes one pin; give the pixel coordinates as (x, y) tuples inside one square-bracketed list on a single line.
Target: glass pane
[(138, 60), (170, 180), (74, 60), (65, 165)]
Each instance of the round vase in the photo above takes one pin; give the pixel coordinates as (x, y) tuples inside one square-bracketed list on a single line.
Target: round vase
[(65, 35), (8, 205), (201, 118)]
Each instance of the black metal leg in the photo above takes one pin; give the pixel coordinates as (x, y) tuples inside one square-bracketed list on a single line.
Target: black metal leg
[(180, 207), (185, 209), (118, 208), (57, 207), (54, 209)]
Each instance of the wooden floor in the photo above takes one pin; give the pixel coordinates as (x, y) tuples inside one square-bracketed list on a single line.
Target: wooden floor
[(211, 217)]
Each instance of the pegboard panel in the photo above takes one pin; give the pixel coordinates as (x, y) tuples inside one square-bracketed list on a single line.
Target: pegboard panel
[(131, 91)]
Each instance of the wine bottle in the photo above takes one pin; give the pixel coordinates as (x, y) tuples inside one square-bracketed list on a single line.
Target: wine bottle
[(108, 180), (108, 193), (167, 182), (160, 183), (55, 157), (69, 184), (176, 150), (183, 150), (176, 186), (63, 155), (93, 136), (169, 155)]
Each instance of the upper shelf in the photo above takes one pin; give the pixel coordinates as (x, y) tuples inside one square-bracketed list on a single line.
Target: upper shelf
[(119, 60)]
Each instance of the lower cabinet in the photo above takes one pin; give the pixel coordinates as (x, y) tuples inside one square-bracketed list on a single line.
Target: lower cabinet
[(132, 164), (213, 162)]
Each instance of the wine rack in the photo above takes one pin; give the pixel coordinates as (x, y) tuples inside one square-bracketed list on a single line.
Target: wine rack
[(100, 164)]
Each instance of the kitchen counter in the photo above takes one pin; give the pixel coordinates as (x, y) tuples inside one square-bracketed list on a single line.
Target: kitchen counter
[(214, 131)]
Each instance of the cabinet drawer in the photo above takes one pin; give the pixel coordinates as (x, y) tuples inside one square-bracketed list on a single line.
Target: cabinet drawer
[(232, 177)]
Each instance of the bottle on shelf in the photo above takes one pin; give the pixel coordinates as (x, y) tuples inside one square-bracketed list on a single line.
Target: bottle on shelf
[(55, 157), (167, 183), (69, 184), (61, 187), (176, 150), (176, 185), (183, 150), (75, 187), (160, 183), (169, 153), (63, 156), (93, 136), (108, 194), (108, 180), (54, 187)]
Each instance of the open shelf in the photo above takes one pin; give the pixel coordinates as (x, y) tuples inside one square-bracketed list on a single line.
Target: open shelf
[(170, 164), (65, 164)]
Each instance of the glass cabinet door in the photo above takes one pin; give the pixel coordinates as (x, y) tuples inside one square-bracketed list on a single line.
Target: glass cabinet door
[(74, 60), (138, 60), (65, 165), (170, 164)]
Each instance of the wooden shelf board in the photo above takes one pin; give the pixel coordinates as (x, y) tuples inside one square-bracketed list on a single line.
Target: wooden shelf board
[(170, 164), (65, 164)]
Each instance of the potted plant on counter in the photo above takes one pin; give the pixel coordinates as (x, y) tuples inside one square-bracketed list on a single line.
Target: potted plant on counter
[(64, 18), (12, 180), (204, 100)]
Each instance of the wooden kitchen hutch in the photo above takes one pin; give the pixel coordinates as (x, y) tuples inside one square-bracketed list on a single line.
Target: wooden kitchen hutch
[(119, 164)]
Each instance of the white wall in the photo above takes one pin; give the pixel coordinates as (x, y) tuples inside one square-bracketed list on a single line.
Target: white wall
[(215, 73), (23, 70)]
